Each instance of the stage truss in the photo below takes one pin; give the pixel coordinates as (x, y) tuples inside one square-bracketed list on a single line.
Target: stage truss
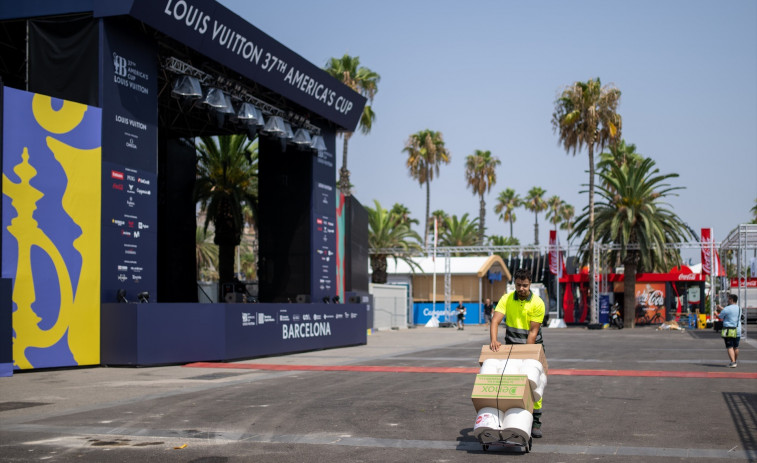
[(741, 240)]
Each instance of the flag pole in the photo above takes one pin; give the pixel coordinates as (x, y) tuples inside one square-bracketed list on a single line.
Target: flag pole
[(433, 259)]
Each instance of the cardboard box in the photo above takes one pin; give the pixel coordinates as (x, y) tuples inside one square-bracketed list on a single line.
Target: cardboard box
[(515, 351), (502, 392)]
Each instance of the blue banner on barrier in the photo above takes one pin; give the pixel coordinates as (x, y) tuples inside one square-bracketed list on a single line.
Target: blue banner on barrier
[(604, 309), (153, 334), (254, 330), (423, 311)]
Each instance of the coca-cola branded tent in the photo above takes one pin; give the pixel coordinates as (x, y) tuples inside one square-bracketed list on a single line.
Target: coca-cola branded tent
[(660, 297)]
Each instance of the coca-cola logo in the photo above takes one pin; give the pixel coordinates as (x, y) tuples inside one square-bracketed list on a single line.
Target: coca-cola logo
[(652, 298), (706, 250), (688, 276)]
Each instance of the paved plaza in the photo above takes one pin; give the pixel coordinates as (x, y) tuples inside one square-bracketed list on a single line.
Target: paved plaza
[(639, 395)]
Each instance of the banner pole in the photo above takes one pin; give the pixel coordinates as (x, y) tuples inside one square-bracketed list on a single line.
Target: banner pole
[(713, 272)]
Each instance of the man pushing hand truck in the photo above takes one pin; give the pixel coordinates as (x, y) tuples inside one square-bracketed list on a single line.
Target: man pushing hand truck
[(523, 312)]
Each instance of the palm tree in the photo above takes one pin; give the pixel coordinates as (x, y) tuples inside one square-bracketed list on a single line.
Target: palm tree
[(586, 114), (507, 202), (620, 153), (206, 253), (248, 266), (425, 153), (347, 69), (754, 211), (460, 232), (554, 210), (567, 214), (386, 232), (441, 221), (481, 175), (403, 214), (535, 203), (630, 213), (226, 182), (496, 240)]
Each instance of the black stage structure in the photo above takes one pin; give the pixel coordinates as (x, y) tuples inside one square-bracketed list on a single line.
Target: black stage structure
[(127, 58)]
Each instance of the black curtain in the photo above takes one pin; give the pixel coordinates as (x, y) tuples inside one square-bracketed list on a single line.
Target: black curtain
[(63, 58)]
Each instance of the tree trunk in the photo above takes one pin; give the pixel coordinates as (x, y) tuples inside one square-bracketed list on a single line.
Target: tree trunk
[(428, 206), (226, 262), (536, 228), (511, 229), (378, 265), (629, 290), (592, 270), (227, 237), (344, 173), (481, 218)]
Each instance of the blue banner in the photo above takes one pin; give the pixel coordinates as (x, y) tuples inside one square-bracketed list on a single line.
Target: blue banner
[(130, 159), (51, 228), (423, 311), (153, 334), (323, 228), (604, 309)]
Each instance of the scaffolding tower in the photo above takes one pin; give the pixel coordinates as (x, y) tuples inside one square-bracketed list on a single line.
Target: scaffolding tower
[(741, 240)]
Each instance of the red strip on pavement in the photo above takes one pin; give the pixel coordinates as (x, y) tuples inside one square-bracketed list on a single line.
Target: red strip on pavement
[(468, 370)]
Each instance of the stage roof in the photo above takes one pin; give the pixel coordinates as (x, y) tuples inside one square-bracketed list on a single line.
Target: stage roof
[(213, 32)]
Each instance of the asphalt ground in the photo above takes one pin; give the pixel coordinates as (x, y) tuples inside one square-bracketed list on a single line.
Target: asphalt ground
[(638, 395)]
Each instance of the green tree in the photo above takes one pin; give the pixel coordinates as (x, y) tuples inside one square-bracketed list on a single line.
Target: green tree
[(496, 240), (459, 232), (425, 153), (403, 214), (567, 222), (554, 210), (441, 221), (481, 175), (631, 213), (206, 253), (226, 182), (586, 115), (535, 203), (386, 232), (754, 211), (347, 69), (249, 266), (619, 154), (507, 202)]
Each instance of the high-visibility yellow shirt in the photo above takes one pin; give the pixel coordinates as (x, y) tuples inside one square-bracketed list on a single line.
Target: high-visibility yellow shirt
[(519, 313)]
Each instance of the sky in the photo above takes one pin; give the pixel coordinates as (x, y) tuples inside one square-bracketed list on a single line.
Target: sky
[(486, 74)]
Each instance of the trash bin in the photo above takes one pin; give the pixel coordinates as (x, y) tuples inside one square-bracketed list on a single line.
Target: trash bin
[(702, 321)]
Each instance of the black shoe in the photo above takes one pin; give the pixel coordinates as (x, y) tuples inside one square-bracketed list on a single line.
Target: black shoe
[(536, 432)]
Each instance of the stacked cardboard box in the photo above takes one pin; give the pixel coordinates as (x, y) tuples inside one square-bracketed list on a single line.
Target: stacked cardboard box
[(515, 351), (513, 394)]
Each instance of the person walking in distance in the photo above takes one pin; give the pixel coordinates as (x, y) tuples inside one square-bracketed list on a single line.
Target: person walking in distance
[(460, 316), (523, 312), (488, 308), (731, 333)]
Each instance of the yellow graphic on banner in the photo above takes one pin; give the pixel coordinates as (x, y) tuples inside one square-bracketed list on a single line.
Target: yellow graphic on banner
[(79, 311)]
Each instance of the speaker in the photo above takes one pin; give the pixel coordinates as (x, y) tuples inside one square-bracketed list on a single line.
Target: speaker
[(303, 298), (176, 229)]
